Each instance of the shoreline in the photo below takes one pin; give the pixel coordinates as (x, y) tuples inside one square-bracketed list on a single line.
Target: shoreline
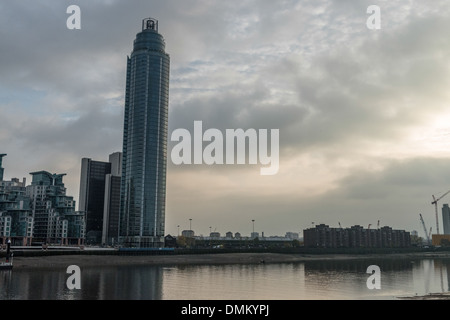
[(93, 260)]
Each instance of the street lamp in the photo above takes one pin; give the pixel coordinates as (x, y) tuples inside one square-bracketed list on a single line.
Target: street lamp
[(178, 226), (190, 224), (253, 221)]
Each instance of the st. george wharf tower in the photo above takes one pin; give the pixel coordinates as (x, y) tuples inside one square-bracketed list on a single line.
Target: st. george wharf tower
[(143, 184)]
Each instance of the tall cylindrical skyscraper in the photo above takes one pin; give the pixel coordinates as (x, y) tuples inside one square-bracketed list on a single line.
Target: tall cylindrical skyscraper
[(144, 161)]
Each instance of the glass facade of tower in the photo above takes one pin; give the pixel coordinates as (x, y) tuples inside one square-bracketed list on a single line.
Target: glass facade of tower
[(143, 184)]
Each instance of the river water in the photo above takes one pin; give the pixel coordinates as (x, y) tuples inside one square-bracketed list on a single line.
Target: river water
[(318, 280)]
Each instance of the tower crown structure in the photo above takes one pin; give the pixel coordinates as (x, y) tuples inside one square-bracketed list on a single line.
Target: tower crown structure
[(149, 38), (150, 24)]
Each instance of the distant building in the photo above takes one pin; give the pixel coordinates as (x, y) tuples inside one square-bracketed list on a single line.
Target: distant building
[(2, 170), (237, 235), (75, 228), (92, 196), (13, 185), (5, 227), (322, 236), (446, 218), (441, 240), (100, 198), (214, 235), (40, 212), (16, 221), (111, 207), (116, 163), (254, 235), (170, 241), (415, 239), (188, 233), (292, 235), (229, 235)]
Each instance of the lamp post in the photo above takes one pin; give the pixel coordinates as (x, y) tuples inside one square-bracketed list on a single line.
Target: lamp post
[(190, 224), (178, 226), (210, 236)]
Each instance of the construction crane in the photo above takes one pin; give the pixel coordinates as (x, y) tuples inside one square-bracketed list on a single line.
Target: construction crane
[(378, 224), (425, 228), (435, 201), (340, 225)]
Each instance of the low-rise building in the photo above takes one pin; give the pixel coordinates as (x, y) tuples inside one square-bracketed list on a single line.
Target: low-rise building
[(40, 212), (16, 221), (214, 235), (324, 236)]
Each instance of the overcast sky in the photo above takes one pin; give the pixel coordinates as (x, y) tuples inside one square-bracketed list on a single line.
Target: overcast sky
[(364, 115)]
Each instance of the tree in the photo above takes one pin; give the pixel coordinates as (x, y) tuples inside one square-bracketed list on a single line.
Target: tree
[(190, 242), (181, 241), (445, 243), (295, 243)]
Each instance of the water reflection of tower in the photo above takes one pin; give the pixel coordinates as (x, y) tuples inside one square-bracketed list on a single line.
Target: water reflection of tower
[(440, 270), (123, 283), (5, 284), (447, 269), (135, 283)]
